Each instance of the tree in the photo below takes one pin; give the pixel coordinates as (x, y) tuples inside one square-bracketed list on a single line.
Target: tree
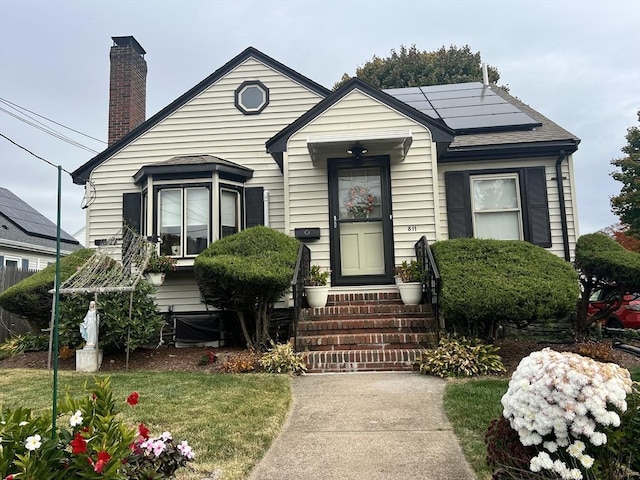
[(411, 67), (246, 274), (627, 204), (620, 234), (602, 261)]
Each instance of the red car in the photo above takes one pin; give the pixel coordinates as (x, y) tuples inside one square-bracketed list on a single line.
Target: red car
[(627, 316)]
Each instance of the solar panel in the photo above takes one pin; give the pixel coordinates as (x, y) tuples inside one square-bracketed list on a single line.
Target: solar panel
[(28, 219), (465, 106)]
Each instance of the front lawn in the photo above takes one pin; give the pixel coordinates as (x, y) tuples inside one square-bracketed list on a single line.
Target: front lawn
[(229, 420), (470, 405)]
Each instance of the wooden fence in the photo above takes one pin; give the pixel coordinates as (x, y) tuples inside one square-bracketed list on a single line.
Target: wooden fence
[(10, 324)]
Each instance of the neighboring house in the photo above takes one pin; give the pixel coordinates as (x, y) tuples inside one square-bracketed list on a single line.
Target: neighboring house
[(358, 174), (27, 238)]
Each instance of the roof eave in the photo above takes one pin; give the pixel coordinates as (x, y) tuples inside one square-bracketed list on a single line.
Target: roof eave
[(512, 150), (440, 131)]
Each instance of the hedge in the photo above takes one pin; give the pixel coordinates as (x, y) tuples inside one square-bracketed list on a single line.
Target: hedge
[(600, 256), (514, 282)]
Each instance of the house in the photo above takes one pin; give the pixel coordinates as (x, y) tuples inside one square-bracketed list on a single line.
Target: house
[(358, 174), (27, 238)]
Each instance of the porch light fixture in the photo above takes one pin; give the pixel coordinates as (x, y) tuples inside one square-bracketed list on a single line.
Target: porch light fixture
[(357, 150)]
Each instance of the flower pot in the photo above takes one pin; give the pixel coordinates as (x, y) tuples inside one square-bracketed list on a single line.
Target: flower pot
[(317, 296), (410, 292), (156, 279)]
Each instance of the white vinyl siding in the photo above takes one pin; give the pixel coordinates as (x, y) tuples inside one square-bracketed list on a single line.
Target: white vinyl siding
[(552, 196), (412, 180), (209, 124)]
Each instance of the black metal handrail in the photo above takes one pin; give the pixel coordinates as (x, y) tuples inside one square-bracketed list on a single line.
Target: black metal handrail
[(431, 280), (301, 272)]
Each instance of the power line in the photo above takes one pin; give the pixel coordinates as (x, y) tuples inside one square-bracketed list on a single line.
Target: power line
[(92, 187), (49, 120), (49, 131)]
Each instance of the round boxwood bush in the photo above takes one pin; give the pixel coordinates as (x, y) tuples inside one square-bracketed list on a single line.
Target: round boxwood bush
[(489, 281), (247, 273)]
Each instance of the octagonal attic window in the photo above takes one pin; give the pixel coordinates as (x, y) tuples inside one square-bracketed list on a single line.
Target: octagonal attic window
[(251, 97)]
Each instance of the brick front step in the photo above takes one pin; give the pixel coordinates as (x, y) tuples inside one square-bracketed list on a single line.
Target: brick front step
[(327, 326), (364, 341), (361, 298), (361, 360), (366, 310)]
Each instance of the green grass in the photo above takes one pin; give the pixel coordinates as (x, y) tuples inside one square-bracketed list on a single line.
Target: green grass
[(230, 420), (470, 406)]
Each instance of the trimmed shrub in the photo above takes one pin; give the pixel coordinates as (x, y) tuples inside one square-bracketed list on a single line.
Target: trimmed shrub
[(603, 261), (282, 359), (247, 273), (31, 299), (113, 309), (600, 256), (485, 282), (460, 357)]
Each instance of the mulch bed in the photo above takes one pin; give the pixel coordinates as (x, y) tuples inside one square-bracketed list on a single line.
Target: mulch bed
[(191, 359)]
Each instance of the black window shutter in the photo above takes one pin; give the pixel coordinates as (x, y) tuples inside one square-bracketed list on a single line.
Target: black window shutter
[(1, 261), (254, 206), (536, 207), (25, 264), (132, 210), (458, 204)]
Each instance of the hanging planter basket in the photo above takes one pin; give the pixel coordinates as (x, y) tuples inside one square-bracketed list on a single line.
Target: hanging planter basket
[(156, 279)]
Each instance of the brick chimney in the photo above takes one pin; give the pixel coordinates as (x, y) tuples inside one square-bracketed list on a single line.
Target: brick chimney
[(128, 87)]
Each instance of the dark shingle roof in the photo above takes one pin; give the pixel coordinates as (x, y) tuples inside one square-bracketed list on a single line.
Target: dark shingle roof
[(547, 131), (19, 222)]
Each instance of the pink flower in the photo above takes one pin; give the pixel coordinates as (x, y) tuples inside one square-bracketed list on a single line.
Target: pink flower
[(158, 447), (103, 459), (185, 450)]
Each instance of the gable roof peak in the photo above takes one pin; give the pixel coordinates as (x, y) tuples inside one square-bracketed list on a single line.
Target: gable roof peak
[(81, 174)]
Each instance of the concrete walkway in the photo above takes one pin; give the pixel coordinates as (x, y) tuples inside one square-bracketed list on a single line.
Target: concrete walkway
[(371, 426)]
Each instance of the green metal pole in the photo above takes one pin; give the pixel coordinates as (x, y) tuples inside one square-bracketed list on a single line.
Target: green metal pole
[(56, 309)]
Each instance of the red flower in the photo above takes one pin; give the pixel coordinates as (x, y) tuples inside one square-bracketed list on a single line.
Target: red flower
[(133, 399), (9, 477), (143, 431), (103, 459), (78, 444)]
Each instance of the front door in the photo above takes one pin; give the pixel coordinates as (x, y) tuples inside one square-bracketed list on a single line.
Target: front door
[(360, 221)]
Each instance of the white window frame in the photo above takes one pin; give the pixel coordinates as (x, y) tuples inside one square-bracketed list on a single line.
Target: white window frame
[(503, 176), (9, 258), (183, 189), (238, 225)]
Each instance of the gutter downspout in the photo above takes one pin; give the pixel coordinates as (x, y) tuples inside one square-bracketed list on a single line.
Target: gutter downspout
[(563, 206), (265, 200)]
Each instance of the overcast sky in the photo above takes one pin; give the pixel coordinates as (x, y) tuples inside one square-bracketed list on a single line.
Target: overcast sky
[(577, 62)]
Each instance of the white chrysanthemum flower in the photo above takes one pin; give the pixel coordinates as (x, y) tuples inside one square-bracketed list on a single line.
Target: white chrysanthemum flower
[(23, 423), (586, 461)]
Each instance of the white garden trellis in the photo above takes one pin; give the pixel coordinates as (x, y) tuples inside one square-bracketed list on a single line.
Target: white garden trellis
[(116, 265)]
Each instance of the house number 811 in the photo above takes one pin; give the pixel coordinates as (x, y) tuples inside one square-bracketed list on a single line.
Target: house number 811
[(413, 228)]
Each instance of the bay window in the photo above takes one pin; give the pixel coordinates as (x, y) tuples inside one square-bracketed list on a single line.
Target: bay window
[(183, 220)]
